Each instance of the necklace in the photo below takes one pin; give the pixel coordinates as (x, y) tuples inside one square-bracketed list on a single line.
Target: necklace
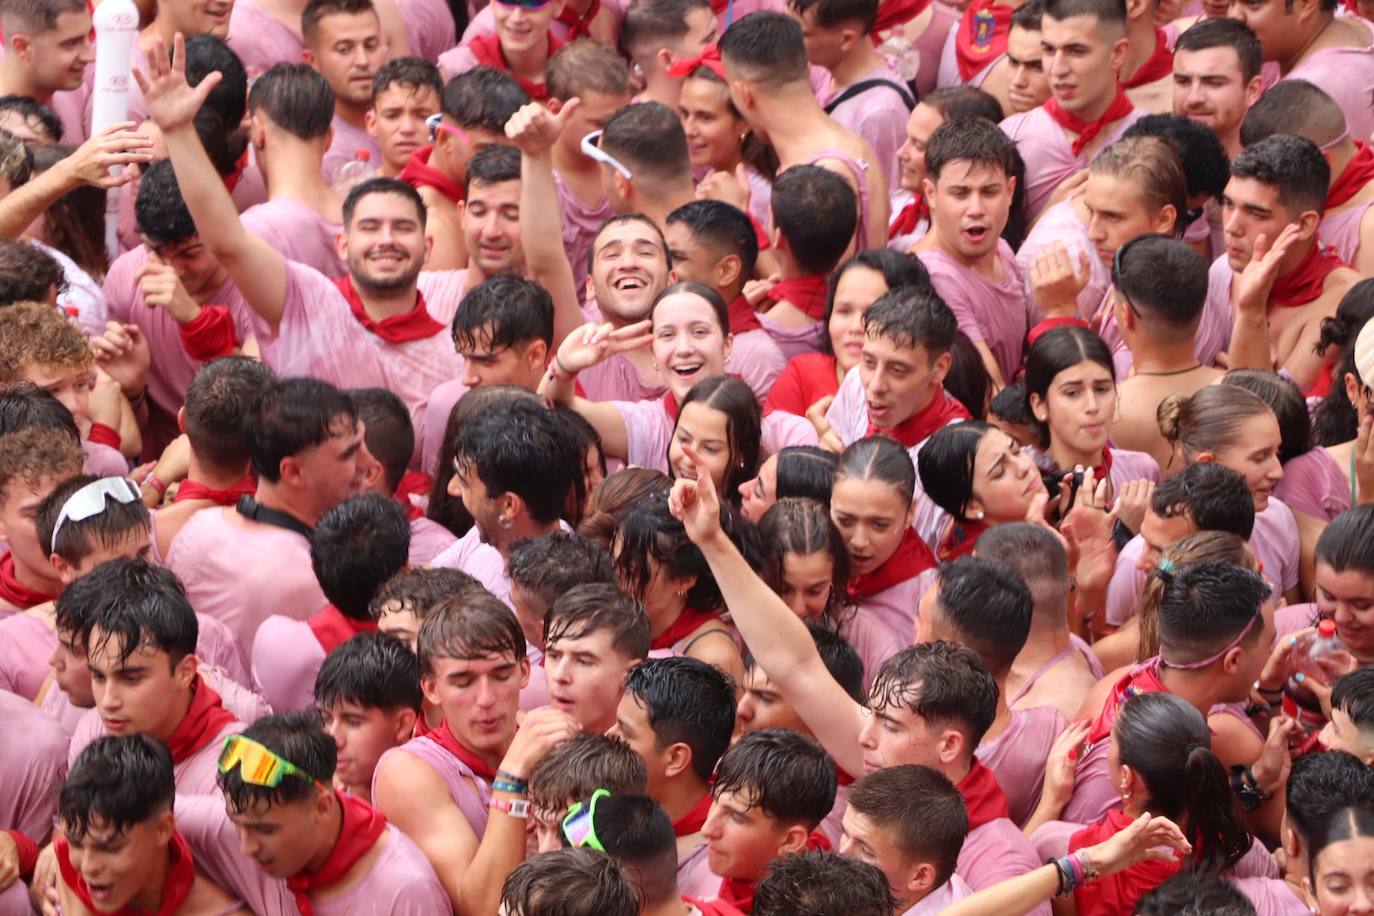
[(1191, 368)]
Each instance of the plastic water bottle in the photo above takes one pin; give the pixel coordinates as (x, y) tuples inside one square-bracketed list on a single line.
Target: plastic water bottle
[(116, 27), (1320, 655), (356, 170)]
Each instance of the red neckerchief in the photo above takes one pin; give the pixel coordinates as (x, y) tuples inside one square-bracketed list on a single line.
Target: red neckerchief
[(739, 892), (416, 324), (418, 173), (231, 180), (413, 483), (687, 623), (982, 796), (1160, 64), (981, 36), (205, 718), (942, 410), (210, 335), (579, 25), (1143, 678), (332, 627), (806, 294), (175, 889), (908, 218), (362, 825), (194, 489), (487, 50), (893, 13), (742, 316), (1304, 283), (443, 736), (1088, 130), (670, 406), (692, 821), (1119, 892), (958, 540), (708, 58), (101, 434), (1357, 173), (911, 558), (16, 592)]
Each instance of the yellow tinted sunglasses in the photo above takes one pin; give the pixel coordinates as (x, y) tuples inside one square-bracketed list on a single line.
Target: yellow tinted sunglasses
[(257, 765)]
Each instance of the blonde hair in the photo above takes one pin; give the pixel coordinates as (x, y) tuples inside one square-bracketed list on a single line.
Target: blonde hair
[(37, 334), (1154, 165), (1198, 547), (1210, 420)]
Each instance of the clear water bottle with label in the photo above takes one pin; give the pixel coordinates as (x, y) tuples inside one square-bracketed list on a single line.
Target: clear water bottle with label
[(356, 170), (1319, 655)]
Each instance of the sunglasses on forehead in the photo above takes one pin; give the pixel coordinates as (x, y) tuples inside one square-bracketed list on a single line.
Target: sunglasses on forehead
[(435, 123), (90, 501), (257, 765), (592, 150), (579, 827)]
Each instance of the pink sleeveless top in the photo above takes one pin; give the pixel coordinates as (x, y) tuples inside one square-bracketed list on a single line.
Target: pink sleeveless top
[(1341, 230), (470, 792), (1313, 484), (859, 171), (1076, 645), (1017, 757)]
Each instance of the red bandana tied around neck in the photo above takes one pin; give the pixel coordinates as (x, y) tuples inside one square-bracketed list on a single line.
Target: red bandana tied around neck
[(362, 825), (194, 489), (708, 58), (487, 50), (414, 483), (942, 410), (911, 558), (742, 316), (1304, 283), (1119, 892), (982, 796), (894, 13), (692, 821), (958, 540), (687, 623), (205, 718), (1143, 678), (418, 173), (579, 25), (180, 878), (416, 324), (443, 736), (908, 218), (16, 592), (1357, 173), (332, 627), (1088, 130), (1160, 64), (739, 892), (806, 294), (981, 36)]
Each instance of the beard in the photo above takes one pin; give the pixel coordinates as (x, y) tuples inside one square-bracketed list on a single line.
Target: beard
[(367, 282)]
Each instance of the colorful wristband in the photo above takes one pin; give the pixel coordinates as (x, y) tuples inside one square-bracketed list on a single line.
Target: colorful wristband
[(515, 807)]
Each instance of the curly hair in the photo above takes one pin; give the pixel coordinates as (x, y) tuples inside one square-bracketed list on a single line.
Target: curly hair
[(36, 454), (34, 334)]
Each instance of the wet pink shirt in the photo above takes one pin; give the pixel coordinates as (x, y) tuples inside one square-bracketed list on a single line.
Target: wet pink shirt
[(758, 361), (1017, 757), (1347, 75), (286, 660), (998, 315), (210, 554), (581, 220), (935, 902), (1341, 229), (478, 559), (193, 776), (344, 148), (1060, 223), (428, 539), (429, 27), (70, 108), (1313, 484), (794, 342), (879, 115), (33, 764), (261, 40), (997, 851), (58, 704), (1048, 155), (931, 44), (102, 460), (874, 642), (25, 644), (617, 379), (470, 793), (298, 233), (1271, 896), (893, 609)]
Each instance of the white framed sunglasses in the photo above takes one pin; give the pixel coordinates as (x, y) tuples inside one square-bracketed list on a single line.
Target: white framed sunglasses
[(591, 150), (90, 501)]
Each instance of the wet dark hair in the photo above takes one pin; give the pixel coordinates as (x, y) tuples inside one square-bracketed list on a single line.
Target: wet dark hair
[(968, 381), (24, 405), (380, 185), (803, 527), (989, 607), (782, 772), (1190, 893), (291, 415), (821, 883), (296, 98), (806, 472), (922, 810), (946, 463), (1320, 785), (471, 624), (1225, 33), (911, 317), (135, 604), (1053, 352), (977, 141), (743, 424), (1205, 606), (943, 683), (1347, 824), (648, 138), (721, 227), (491, 165), (159, 207), (1347, 543), (1353, 694), (584, 609), (526, 449), (570, 882), (79, 538), (1214, 496), (817, 212), (897, 268), (550, 565), (686, 701), (355, 547), (116, 782), (482, 97), (879, 458), (650, 534), (1293, 166), (296, 737), (713, 299), (1335, 420), (1205, 166), (218, 401), (768, 47), (373, 670), (445, 508), (505, 310), (415, 73), (387, 431), (1164, 282), (840, 659)]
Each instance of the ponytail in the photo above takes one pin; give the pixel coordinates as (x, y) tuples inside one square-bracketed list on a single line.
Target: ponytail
[(1220, 838)]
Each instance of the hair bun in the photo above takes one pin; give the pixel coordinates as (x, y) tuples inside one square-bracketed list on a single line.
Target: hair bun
[(1168, 414)]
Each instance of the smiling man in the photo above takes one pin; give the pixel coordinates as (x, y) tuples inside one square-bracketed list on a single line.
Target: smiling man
[(47, 50)]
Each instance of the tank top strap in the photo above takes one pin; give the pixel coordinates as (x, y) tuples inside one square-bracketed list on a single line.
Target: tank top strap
[(860, 172)]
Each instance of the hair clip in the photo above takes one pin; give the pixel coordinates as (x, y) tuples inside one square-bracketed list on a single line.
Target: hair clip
[(1165, 569)]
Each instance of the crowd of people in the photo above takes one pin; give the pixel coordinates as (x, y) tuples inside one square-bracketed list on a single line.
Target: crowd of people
[(581, 458)]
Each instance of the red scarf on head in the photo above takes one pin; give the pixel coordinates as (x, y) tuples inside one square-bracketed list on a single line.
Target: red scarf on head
[(892, 13), (982, 796), (16, 592), (1143, 678), (742, 316), (418, 173), (709, 58), (908, 218), (1304, 283), (443, 737), (413, 483), (687, 623), (487, 50), (692, 821), (1088, 130), (362, 825), (332, 627), (1160, 64), (911, 558), (958, 540), (205, 718), (579, 24), (194, 489), (739, 892), (1119, 892), (1357, 173), (942, 410), (181, 876), (416, 324), (806, 294), (981, 36)]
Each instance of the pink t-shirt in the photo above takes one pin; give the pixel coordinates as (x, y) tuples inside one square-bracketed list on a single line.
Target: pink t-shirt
[(261, 40), (1347, 75), (580, 220), (298, 233), (478, 559), (33, 763), (894, 609), (102, 460), (1017, 757), (935, 902), (756, 358), (994, 852), (70, 108), (1048, 155), (794, 342), (348, 140), (879, 115), (535, 694), (430, 435), (930, 46), (428, 539), (286, 659), (874, 642), (470, 792), (210, 554), (1213, 330), (1341, 229), (193, 776), (1059, 223), (1313, 484), (1271, 896), (25, 644), (429, 27), (694, 875), (172, 367), (998, 314), (1128, 465), (58, 704), (617, 379), (400, 882)]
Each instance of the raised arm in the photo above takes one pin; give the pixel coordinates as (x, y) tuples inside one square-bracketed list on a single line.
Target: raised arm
[(582, 349), (535, 129), (777, 637), (1251, 347), (257, 269)]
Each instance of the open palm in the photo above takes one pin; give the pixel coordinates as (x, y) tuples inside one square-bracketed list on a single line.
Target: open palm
[(172, 102)]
